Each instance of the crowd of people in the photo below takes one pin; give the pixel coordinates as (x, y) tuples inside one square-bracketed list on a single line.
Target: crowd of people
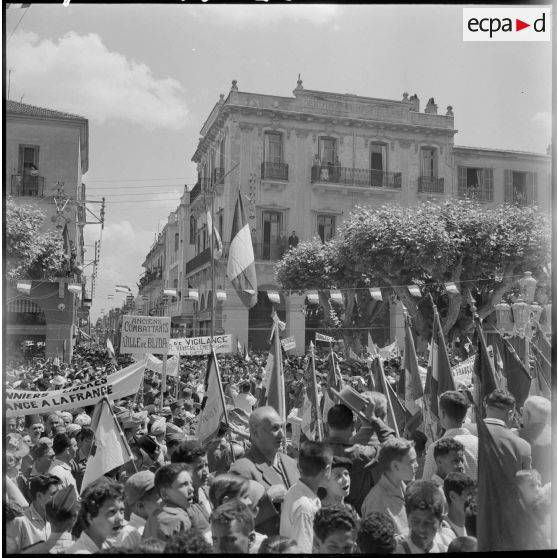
[(260, 485)]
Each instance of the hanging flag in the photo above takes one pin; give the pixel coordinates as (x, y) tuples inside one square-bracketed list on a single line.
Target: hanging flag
[(336, 296), (312, 297), (438, 376), (239, 347), (110, 449), (193, 294), (246, 355), (484, 375), (376, 294), (414, 290), (390, 351), (410, 386), (311, 419), (334, 380), (110, 349), (273, 297), (275, 376), (395, 411), (504, 521), (218, 244), (213, 408), (241, 267), (24, 287), (372, 348), (451, 288), (122, 289)]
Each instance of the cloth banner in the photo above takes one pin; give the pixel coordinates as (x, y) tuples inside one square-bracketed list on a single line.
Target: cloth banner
[(326, 338), (390, 351), (196, 346), (463, 372), (156, 365), (121, 384)]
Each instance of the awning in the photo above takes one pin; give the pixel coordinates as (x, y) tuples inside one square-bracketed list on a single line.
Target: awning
[(24, 305)]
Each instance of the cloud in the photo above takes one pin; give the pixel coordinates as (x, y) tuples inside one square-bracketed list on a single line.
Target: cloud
[(263, 14), (78, 74)]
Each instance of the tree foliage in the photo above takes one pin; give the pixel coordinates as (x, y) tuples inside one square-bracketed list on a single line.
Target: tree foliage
[(31, 253), (484, 250)]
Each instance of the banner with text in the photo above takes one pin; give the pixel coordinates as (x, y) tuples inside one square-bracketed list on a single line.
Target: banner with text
[(288, 343), (198, 346), (325, 338), (463, 372), (145, 334), (120, 384)]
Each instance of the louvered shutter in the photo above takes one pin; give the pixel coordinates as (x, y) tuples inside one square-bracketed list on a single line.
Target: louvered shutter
[(508, 186)]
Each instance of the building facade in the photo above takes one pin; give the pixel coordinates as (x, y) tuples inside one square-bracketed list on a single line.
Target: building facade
[(302, 163), (46, 154)]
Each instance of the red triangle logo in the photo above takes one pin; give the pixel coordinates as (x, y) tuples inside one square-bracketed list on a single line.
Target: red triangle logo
[(519, 25)]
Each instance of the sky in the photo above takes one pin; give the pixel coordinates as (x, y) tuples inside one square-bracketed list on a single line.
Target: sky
[(147, 76)]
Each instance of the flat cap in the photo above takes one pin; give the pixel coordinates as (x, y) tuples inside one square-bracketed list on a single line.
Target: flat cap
[(62, 502), (138, 485)]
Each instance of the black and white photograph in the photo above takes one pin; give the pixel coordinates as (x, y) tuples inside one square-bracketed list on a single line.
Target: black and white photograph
[(279, 278)]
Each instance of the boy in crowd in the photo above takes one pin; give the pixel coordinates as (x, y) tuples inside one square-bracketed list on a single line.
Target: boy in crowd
[(458, 490), (335, 530), (398, 461), (376, 534), (424, 506), (301, 501), (174, 484), (64, 452), (232, 528), (448, 455)]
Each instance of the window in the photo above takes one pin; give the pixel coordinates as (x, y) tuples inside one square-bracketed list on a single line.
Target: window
[(428, 167), (273, 237), (327, 148), (273, 147), (28, 160), (520, 187), (378, 163), (176, 242), (475, 183), (221, 224), (193, 228), (326, 227)]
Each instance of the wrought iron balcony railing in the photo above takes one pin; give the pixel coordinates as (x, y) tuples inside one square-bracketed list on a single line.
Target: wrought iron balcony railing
[(26, 185), (479, 193), (348, 176), (197, 261), (278, 171), (431, 185)]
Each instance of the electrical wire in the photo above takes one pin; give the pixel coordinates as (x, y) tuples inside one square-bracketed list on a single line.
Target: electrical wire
[(137, 179), (20, 20)]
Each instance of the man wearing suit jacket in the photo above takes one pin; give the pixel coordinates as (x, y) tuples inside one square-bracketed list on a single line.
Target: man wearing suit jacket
[(515, 452), (264, 463)]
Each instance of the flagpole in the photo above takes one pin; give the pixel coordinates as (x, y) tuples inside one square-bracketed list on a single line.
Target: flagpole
[(163, 381), (126, 445), (315, 388)]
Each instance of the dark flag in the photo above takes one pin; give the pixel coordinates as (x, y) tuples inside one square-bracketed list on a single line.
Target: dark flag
[(241, 267), (274, 370), (395, 411), (311, 426), (484, 374), (334, 380), (504, 521)]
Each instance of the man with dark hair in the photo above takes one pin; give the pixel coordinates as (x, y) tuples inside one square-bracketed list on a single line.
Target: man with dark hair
[(61, 511), (264, 463), (32, 527), (453, 406), (176, 513), (301, 501), (335, 530), (64, 451), (84, 439), (361, 448), (398, 461), (448, 455), (376, 534), (101, 516), (514, 451), (194, 455), (232, 528), (424, 506), (458, 490)]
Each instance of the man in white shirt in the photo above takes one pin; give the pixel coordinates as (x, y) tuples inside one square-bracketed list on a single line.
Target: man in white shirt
[(452, 408), (65, 450), (142, 498), (245, 400), (301, 502)]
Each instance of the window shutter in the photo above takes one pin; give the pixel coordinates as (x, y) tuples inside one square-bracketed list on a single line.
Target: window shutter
[(487, 184), (532, 187), (508, 186), (462, 178)]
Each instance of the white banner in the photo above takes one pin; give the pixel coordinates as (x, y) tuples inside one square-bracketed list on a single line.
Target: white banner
[(463, 372), (145, 334), (120, 384), (156, 365), (326, 338), (197, 346), (288, 343)]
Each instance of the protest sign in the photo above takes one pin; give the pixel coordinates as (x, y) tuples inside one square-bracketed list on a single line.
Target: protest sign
[(197, 346), (326, 338), (120, 384), (288, 343), (463, 372), (145, 334)]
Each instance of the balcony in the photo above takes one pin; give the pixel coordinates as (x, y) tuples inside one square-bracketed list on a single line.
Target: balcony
[(195, 192), (364, 178), (199, 260), (476, 192), (430, 185), (277, 171), (266, 251), (26, 185), (219, 175)]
